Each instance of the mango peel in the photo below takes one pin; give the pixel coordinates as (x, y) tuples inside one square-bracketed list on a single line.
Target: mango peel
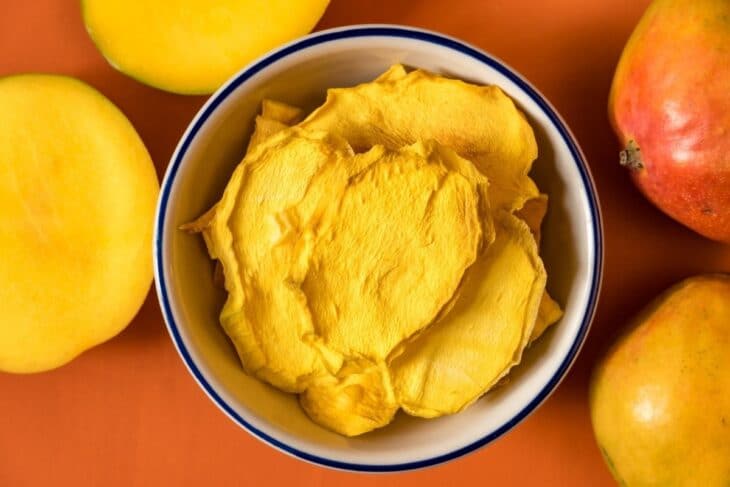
[(384, 274)]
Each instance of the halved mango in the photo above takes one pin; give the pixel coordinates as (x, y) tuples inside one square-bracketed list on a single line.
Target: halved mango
[(193, 46), (77, 201)]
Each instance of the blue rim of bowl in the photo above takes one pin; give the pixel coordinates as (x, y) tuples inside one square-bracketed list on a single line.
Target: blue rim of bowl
[(376, 31)]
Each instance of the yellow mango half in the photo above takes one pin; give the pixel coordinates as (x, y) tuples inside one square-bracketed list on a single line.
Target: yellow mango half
[(466, 352), (77, 201), (193, 46), (480, 123)]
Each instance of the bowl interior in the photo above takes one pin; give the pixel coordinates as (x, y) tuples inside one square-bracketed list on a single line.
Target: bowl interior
[(213, 147)]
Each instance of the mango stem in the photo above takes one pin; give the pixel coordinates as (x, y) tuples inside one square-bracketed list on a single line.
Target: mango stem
[(631, 156)]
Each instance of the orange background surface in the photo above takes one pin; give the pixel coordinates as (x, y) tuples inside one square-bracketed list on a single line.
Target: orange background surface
[(127, 413)]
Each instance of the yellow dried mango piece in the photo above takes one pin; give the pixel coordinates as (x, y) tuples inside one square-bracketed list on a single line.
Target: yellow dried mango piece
[(533, 212), (394, 73), (256, 269), (548, 314), (281, 112), (372, 281), (358, 399), (263, 129), (480, 123), (463, 354), (275, 117)]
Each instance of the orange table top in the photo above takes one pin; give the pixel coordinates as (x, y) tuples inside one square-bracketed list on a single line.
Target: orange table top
[(128, 413)]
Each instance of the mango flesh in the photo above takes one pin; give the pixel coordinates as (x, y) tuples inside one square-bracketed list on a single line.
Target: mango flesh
[(480, 123), (670, 107), (444, 369), (372, 281), (548, 313), (193, 46), (357, 298), (532, 213), (77, 200), (660, 399)]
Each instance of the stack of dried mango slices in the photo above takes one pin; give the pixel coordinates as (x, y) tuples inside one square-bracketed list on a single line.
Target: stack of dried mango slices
[(382, 253)]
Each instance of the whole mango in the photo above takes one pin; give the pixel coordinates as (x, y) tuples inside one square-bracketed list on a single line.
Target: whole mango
[(670, 106), (660, 399)]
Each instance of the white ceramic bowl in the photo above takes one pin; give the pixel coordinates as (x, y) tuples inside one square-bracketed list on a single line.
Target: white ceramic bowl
[(300, 73)]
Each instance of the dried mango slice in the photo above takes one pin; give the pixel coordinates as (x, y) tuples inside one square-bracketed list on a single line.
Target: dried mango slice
[(275, 117), (480, 123), (281, 112), (462, 355), (393, 73), (263, 129), (533, 212), (372, 282), (256, 269), (548, 314), (358, 399)]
